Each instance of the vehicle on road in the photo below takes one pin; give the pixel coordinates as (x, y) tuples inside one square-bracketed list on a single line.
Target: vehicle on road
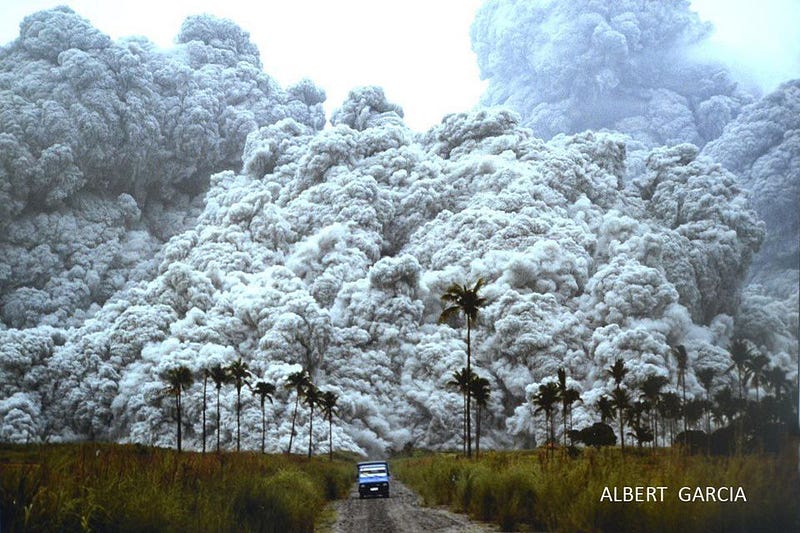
[(373, 479)]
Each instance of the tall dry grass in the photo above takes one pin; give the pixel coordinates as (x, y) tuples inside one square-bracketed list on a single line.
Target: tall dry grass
[(531, 491), (106, 487)]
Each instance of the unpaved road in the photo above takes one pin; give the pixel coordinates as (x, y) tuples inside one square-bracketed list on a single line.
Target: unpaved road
[(401, 513)]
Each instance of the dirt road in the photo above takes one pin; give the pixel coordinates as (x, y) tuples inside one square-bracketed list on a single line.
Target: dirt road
[(401, 513)]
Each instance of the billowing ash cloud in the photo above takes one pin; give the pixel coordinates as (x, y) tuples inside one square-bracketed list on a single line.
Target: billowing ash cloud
[(762, 146), (568, 66), (645, 69), (105, 147), (330, 251)]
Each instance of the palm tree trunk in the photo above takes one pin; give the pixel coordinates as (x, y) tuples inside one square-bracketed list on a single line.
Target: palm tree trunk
[(621, 429), (294, 419), (685, 428), (178, 407), (238, 421), (464, 425), (218, 428), (310, 429), (205, 384), (330, 438), (478, 433), (469, 377), (263, 426)]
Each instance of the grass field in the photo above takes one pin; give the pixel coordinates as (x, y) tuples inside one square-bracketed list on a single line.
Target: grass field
[(531, 491), (107, 487)]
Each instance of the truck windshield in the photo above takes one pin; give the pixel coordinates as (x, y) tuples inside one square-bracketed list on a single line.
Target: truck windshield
[(373, 472)]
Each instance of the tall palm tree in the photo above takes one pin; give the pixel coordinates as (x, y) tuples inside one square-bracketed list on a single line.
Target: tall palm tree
[(312, 399), (461, 383), (562, 394), (219, 375), (756, 368), (298, 382), (480, 390), (545, 400), (573, 396), (619, 397), (617, 372), (462, 299), (651, 391), (328, 405), (740, 352), (205, 373), (239, 372), (178, 379), (682, 360), (264, 391), (706, 378)]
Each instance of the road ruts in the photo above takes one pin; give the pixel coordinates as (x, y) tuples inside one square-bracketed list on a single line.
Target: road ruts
[(401, 513)]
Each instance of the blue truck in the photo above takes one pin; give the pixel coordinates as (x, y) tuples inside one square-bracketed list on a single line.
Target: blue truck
[(373, 479)]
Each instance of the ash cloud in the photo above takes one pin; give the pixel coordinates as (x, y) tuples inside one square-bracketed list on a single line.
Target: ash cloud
[(571, 66), (329, 250), (652, 71), (106, 148)]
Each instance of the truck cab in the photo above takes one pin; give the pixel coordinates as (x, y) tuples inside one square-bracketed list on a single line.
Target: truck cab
[(373, 479)]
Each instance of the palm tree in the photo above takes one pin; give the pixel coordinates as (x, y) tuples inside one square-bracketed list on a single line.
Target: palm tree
[(562, 394), (219, 376), (682, 359), (460, 382), (740, 352), (617, 372), (479, 388), (178, 380), (328, 406), (463, 299), (205, 373), (651, 391), (238, 373), (312, 398), (573, 396), (669, 408), (726, 406), (545, 400), (619, 397), (298, 382), (264, 391), (706, 378), (693, 410), (775, 379), (605, 407), (640, 432), (756, 368)]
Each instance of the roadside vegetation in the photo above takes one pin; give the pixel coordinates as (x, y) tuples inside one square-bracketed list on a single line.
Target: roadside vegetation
[(109, 487), (535, 491)]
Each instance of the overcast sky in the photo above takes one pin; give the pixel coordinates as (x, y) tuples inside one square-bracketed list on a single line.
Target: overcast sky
[(417, 50)]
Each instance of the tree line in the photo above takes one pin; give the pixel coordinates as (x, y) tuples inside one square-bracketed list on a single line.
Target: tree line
[(180, 378), (732, 420), (648, 411)]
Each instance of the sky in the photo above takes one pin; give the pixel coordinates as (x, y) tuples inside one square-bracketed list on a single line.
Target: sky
[(418, 50)]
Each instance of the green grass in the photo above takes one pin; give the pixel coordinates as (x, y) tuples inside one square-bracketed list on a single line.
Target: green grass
[(107, 487), (531, 491)]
